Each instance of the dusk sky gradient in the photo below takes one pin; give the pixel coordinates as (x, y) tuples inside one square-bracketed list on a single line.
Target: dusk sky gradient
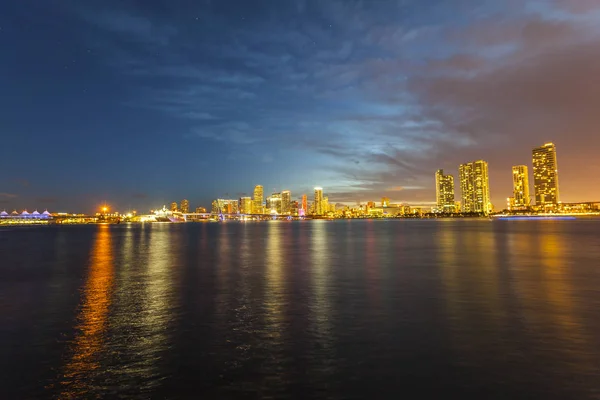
[(140, 103)]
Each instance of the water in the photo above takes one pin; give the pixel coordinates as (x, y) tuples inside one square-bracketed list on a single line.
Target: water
[(314, 309)]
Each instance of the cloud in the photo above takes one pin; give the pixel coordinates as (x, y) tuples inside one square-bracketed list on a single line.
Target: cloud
[(8, 195)]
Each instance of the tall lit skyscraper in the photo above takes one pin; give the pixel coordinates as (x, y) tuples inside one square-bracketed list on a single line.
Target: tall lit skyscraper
[(545, 175), (246, 205), (520, 187), (258, 199), (325, 205), (444, 192), (185, 206), (174, 206), (385, 202), (318, 201), (475, 187), (305, 203), (286, 202)]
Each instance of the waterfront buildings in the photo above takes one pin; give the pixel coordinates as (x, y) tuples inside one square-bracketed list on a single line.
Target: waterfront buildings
[(225, 206), (174, 206), (286, 202), (545, 176), (475, 188), (318, 204), (444, 192), (521, 199), (246, 205), (385, 202), (185, 206), (258, 199), (304, 205)]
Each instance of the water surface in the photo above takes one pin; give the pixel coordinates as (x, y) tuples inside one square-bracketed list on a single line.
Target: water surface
[(312, 309)]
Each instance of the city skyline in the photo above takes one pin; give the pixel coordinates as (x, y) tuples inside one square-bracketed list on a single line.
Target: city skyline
[(137, 104)]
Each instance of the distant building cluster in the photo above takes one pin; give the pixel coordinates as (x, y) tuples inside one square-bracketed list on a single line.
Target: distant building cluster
[(475, 186), (278, 203)]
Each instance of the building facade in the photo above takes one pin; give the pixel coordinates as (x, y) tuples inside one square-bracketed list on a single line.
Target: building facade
[(246, 205), (304, 204), (174, 207), (258, 199), (444, 192), (475, 187), (545, 175), (274, 203), (286, 202), (318, 204), (520, 197), (185, 206)]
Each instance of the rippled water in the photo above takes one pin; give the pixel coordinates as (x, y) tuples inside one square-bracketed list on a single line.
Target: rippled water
[(314, 309)]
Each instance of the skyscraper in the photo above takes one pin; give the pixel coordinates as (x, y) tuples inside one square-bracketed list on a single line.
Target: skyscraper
[(258, 199), (385, 202), (246, 205), (475, 187), (174, 206), (185, 206), (305, 203), (325, 205), (318, 201), (286, 202), (545, 175), (444, 192), (520, 187)]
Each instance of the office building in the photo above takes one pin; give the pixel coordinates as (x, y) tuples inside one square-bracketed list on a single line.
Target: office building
[(520, 197), (185, 206), (385, 202), (273, 203), (174, 207), (475, 188), (258, 199), (444, 192), (325, 205), (304, 204), (286, 202), (545, 175), (200, 210), (318, 203), (245, 205)]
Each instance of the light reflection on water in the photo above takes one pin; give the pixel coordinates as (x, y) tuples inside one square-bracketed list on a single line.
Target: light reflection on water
[(323, 309), (92, 319)]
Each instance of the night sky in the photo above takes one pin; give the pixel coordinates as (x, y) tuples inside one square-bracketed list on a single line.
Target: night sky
[(140, 103)]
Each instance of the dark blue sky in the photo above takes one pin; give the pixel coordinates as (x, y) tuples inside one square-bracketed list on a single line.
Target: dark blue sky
[(139, 103)]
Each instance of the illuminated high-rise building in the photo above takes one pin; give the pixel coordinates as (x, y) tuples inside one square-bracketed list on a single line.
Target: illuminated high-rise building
[(521, 197), (325, 205), (444, 192), (258, 199), (185, 206), (385, 202), (304, 205), (174, 206), (274, 203), (286, 202), (200, 210), (246, 205), (318, 204), (545, 175), (475, 187)]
